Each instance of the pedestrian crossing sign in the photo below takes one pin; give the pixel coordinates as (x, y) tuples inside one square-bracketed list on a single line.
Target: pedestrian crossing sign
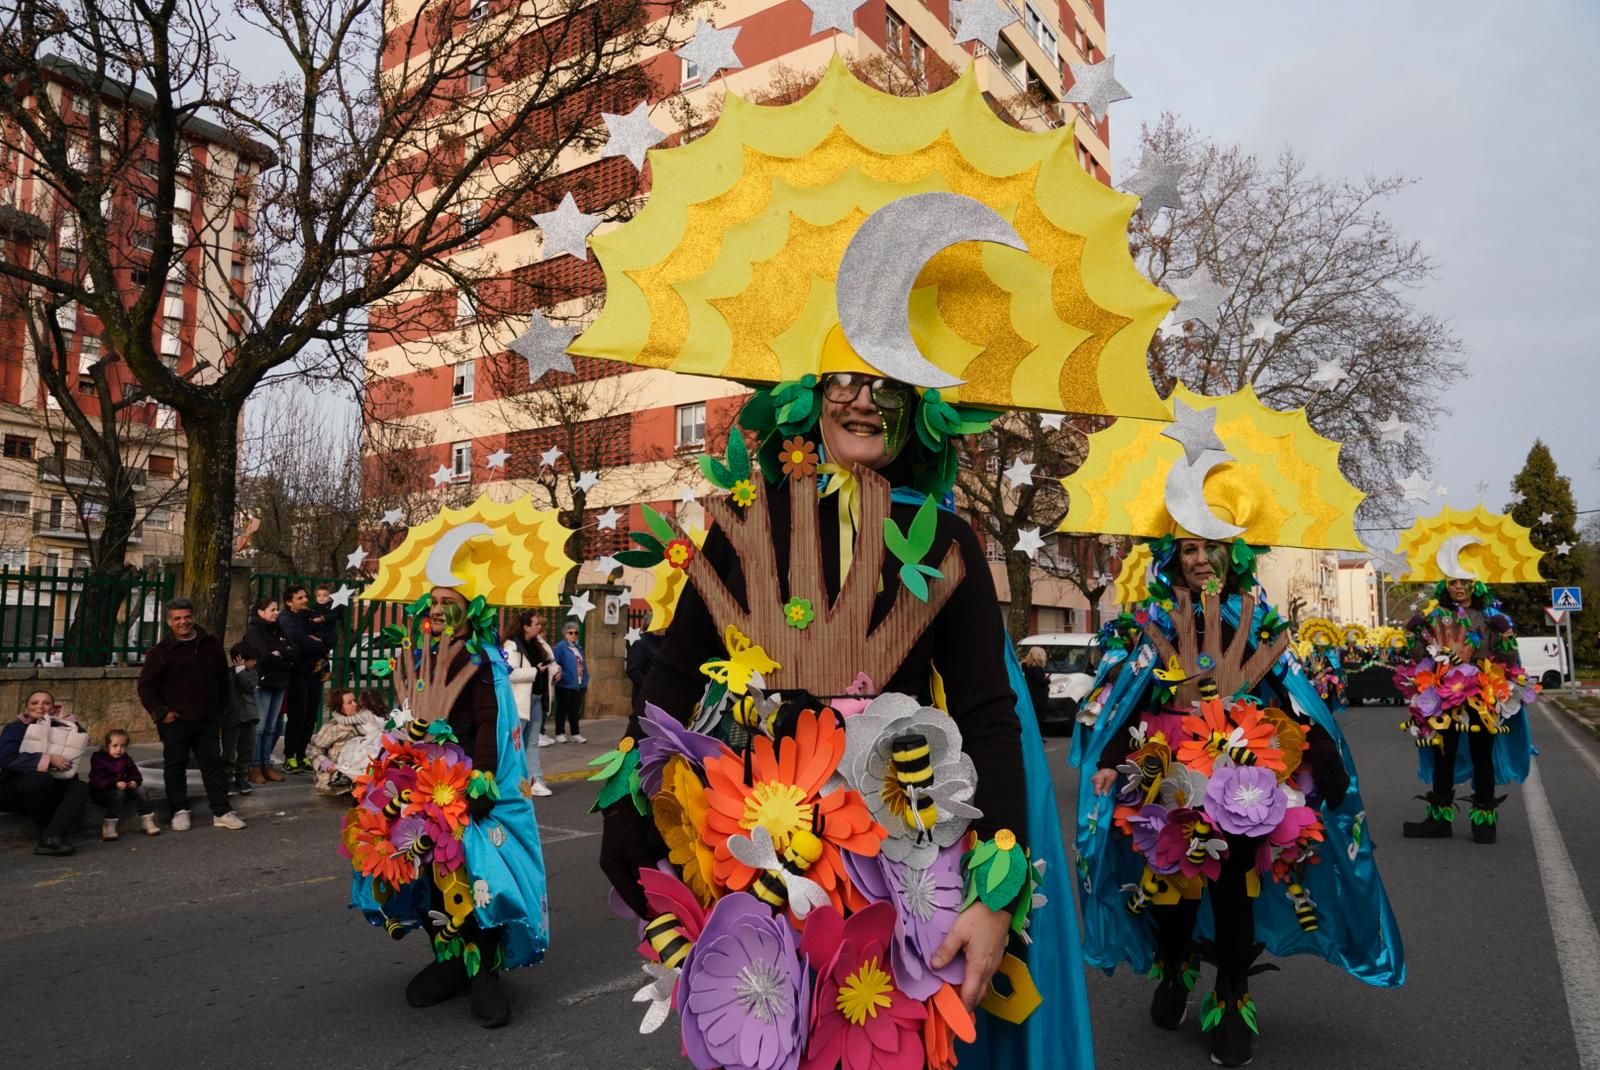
[(1567, 598)]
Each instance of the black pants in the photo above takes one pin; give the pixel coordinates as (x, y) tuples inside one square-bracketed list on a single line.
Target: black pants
[(113, 801), (1480, 745), (55, 805), (1232, 913), (569, 705), (203, 739), (238, 749), (302, 715)]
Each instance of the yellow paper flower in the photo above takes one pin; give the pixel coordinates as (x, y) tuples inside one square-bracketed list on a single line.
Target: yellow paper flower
[(680, 810), (744, 493)]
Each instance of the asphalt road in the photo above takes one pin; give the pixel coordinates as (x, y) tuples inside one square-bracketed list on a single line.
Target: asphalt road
[(235, 949)]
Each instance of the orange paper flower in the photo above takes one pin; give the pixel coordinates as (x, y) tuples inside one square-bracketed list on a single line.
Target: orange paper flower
[(1237, 731), (784, 797), (948, 1021), (442, 791), (800, 458)]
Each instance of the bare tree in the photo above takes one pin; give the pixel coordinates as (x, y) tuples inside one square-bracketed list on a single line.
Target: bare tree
[(1318, 257), (365, 181)]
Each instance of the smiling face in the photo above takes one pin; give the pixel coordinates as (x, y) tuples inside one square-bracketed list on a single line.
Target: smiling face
[(40, 705), (854, 432), (448, 606), (1200, 561)]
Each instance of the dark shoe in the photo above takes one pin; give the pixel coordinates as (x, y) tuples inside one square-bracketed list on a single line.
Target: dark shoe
[(437, 982), (1439, 822), (241, 787), (1232, 1033), (490, 1005), (1485, 817), (53, 847), (1170, 1004)]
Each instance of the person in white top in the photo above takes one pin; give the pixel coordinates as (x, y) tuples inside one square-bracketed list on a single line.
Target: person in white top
[(531, 662)]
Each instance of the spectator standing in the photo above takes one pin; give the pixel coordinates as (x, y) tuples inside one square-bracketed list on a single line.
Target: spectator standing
[(1038, 679), (240, 718), (305, 677), (325, 621), (274, 656), (641, 654), (184, 686), (115, 780), (530, 659), (38, 784), (344, 746), (571, 686)]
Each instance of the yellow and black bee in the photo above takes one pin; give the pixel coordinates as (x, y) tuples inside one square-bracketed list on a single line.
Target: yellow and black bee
[(913, 768), (397, 802), (1144, 892), (417, 730), (666, 939), (1305, 910), (782, 880)]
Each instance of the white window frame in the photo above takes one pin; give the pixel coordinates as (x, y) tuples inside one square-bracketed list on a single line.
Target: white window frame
[(10, 499), (461, 462), (691, 74), (691, 410), (478, 73), (468, 217), (463, 381), (479, 11), (894, 28), (466, 312)]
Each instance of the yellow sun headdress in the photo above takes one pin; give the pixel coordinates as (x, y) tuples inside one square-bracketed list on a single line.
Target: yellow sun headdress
[(1224, 468), (1470, 544), (1131, 585), (1320, 631), (999, 271), (510, 554)]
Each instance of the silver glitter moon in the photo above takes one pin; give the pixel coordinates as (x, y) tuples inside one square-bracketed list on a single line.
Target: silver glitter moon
[(881, 264), (1449, 557), (440, 568), (1186, 498)]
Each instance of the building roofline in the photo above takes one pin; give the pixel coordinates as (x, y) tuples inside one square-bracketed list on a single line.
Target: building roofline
[(77, 74)]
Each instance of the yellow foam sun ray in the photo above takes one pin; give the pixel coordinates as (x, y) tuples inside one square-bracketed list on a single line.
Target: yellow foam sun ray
[(522, 561), (1131, 587), (667, 588), (729, 268), (1283, 485), (1494, 548), (1320, 631)]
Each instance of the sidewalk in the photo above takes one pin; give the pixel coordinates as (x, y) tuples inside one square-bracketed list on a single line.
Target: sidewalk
[(1581, 707)]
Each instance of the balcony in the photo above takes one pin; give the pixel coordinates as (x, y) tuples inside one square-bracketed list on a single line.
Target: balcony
[(78, 473), (65, 524)]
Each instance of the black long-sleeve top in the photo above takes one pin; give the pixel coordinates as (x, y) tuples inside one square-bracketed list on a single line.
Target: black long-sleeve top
[(966, 642), (475, 715)]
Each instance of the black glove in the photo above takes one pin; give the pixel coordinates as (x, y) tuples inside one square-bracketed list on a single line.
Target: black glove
[(480, 807), (625, 849)]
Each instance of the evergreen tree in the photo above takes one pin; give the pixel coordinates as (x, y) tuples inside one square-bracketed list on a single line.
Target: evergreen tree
[(1544, 491)]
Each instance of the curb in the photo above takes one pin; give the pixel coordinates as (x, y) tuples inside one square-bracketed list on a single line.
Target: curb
[(1586, 719)]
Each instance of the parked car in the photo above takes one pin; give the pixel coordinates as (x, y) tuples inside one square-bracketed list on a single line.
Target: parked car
[(46, 652), (1544, 658), (1071, 659)]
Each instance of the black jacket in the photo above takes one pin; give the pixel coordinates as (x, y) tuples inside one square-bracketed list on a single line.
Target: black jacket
[(325, 619), (308, 650), (272, 650), (640, 655), (191, 679)]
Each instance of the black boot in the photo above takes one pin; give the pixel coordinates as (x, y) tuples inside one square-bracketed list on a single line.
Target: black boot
[(1438, 825), (1229, 1015), (1170, 1004), (437, 982), (1485, 817), (54, 847), (490, 1005)]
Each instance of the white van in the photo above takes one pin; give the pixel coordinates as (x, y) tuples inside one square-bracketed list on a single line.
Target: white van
[(1071, 659), (1544, 658)]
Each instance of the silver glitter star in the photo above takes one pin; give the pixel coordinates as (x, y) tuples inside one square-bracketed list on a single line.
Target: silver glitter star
[(1020, 474), (356, 557), (566, 230), (581, 605), (549, 457), (607, 521), (1544, 518), (1264, 329), (833, 15), (545, 346), (1029, 542), (1095, 86), (1200, 297), (1051, 421), (1394, 430), (393, 517), (1417, 488), (497, 459), (1193, 429), (587, 481), (1156, 183), (631, 135), (980, 20), (711, 50), (1330, 373), (1564, 548)]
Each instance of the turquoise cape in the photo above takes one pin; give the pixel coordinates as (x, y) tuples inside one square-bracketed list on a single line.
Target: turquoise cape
[(503, 851), (1358, 931)]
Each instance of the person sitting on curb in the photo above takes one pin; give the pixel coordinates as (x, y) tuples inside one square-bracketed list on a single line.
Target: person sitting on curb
[(38, 784), (115, 779), (342, 748), (184, 686)]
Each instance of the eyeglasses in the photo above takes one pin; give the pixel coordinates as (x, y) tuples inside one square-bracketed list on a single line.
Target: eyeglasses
[(841, 388)]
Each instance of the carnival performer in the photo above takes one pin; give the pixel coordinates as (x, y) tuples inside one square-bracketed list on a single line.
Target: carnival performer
[(1466, 679), (1232, 784), (442, 835)]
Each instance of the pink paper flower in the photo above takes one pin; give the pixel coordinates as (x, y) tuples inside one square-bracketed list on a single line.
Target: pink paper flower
[(861, 1019)]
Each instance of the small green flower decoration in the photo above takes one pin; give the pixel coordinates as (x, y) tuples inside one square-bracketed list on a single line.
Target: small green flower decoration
[(1213, 586), (797, 612), (744, 493)]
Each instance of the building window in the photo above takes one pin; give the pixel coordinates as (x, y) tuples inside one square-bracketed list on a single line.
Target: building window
[(160, 519), (461, 462), (158, 465), (15, 503), (67, 260), (894, 32), (465, 312), (461, 384), (477, 76), (80, 104), (479, 10), (1039, 30), (175, 286), (691, 425), (916, 60), (18, 447), (143, 242), (146, 206), (236, 272), (691, 73), (468, 219)]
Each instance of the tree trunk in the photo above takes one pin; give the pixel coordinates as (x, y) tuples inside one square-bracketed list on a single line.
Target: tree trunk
[(1019, 576), (92, 631), (208, 526)]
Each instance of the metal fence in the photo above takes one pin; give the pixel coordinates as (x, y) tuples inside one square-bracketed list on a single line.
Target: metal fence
[(359, 650), (50, 617)]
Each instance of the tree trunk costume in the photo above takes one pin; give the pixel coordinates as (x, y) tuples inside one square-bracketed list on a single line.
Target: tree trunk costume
[(1234, 822), (835, 754), (442, 835)]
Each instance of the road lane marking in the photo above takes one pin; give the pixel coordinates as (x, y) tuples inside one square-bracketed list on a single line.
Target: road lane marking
[(617, 984), (1571, 923), (557, 834)]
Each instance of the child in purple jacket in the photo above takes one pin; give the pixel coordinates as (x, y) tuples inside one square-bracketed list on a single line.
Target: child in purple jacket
[(114, 779)]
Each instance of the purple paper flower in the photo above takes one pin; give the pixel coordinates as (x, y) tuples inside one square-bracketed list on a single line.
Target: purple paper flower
[(1245, 800), (743, 996), (665, 736), (1146, 827), (926, 904)]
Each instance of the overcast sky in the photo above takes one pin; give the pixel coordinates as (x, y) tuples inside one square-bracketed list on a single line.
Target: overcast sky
[(1490, 106)]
